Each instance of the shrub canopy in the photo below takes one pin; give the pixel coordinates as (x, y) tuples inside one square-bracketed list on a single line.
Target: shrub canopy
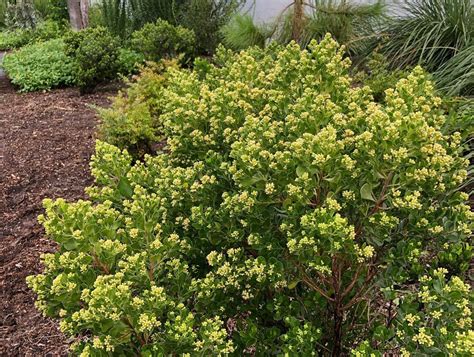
[(288, 214), (162, 40), (39, 66), (96, 56)]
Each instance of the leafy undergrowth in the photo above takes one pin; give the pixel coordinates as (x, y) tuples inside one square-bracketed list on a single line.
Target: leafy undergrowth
[(39, 66), (13, 39)]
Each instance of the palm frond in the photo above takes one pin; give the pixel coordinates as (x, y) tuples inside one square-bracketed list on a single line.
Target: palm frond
[(242, 32), (456, 77), (429, 32), (350, 23)]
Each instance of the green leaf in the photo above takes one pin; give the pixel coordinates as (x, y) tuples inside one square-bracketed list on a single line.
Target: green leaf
[(300, 171), (124, 188), (366, 192), (71, 244), (293, 284), (213, 239), (250, 181)]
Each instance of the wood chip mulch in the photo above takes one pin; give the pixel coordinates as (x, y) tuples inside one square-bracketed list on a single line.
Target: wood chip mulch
[(46, 140)]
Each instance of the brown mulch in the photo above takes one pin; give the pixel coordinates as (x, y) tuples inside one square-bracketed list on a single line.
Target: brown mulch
[(46, 140)]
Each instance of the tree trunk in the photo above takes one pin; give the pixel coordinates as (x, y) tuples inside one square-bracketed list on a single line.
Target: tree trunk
[(298, 20), (85, 13), (78, 13)]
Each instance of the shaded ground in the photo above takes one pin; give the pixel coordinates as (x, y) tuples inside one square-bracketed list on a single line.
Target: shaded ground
[(46, 140)]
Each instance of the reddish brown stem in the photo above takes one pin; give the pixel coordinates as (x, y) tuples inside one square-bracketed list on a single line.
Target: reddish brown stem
[(100, 265)]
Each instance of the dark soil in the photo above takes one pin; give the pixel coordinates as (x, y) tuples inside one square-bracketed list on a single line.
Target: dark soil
[(46, 140)]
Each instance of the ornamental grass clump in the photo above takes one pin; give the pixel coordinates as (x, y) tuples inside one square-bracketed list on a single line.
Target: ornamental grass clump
[(289, 214)]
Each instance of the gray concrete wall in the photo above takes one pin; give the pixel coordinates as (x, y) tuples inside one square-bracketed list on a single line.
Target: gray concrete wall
[(265, 10)]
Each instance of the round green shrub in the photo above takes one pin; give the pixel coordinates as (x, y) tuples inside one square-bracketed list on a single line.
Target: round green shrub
[(95, 52), (40, 66), (162, 40), (289, 214)]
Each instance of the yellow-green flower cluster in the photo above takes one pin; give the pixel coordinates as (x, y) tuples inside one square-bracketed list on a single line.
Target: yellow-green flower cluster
[(283, 192), (445, 319)]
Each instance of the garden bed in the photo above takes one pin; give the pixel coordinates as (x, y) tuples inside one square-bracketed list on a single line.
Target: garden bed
[(46, 142)]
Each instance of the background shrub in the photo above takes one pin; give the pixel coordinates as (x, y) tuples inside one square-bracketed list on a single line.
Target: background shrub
[(55, 10), (38, 66), (132, 122), (289, 213), (45, 30), (206, 18), (162, 40), (124, 17), (11, 39), (95, 53), (129, 61), (3, 10), (49, 29), (148, 11), (21, 14), (96, 17)]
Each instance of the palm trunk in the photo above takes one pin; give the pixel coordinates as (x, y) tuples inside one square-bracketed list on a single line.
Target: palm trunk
[(298, 20)]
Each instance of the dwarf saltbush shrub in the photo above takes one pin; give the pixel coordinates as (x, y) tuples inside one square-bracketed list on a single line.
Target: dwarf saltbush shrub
[(38, 66), (162, 40), (289, 214)]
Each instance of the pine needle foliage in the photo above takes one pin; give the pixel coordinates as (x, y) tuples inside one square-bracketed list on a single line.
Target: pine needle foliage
[(206, 18)]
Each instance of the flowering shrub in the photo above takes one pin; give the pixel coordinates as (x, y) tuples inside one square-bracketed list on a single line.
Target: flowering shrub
[(290, 214)]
